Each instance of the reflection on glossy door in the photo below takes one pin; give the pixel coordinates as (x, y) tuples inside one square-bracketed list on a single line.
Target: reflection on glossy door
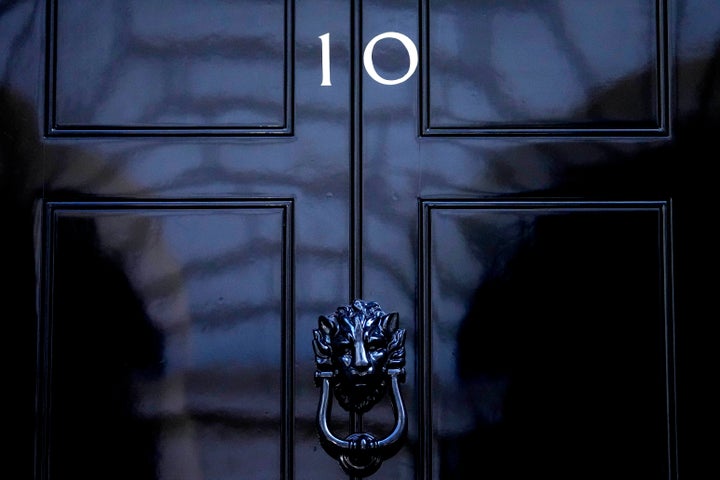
[(182, 197)]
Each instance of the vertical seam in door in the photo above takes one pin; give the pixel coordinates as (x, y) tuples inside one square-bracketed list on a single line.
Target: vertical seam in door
[(356, 180)]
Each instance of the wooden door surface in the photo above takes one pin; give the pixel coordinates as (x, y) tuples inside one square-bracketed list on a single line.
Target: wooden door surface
[(188, 185)]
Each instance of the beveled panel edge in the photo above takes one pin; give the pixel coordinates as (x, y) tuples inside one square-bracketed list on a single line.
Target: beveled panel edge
[(663, 75), (49, 211), (52, 129), (663, 208)]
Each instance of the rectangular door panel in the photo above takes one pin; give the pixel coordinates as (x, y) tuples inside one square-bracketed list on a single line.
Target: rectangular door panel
[(547, 338), (149, 67), (562, 67), (168, 340)]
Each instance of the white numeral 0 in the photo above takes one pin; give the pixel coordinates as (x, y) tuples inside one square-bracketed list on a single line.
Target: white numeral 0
[(409, 46), (368, 58)]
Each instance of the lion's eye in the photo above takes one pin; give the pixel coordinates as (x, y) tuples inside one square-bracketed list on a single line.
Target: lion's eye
[(343, 347), (375, 344)]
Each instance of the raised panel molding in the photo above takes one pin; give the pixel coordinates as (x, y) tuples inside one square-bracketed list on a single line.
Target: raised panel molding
[(546, 339), (520, 69), (166, 340), (164, 72)]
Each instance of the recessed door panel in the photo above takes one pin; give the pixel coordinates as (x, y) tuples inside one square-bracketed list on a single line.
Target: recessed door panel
[(546, 332), (184, 67), (517, 67), (168, 332)]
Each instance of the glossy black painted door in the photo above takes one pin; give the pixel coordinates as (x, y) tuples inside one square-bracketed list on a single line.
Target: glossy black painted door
[(184, 194), (178, 184), (535, 195)]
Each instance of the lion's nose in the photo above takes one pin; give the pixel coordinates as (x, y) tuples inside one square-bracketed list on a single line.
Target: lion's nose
[(361, 360)]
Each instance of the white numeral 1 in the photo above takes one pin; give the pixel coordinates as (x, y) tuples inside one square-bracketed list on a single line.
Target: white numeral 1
[(325, 41)]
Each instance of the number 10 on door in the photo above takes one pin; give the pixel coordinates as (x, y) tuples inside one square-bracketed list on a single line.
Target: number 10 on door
[(368, 58)]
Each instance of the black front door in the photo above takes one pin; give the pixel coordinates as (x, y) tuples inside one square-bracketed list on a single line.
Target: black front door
[(189, 185)]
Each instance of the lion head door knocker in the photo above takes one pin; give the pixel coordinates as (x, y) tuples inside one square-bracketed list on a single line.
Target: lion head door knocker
[(359, 355)]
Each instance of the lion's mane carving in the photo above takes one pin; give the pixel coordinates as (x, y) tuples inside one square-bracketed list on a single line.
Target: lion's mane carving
[(357, 345)]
